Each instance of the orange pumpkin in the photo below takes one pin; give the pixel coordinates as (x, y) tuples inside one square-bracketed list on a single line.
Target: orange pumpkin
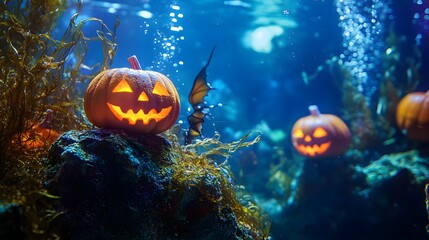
[(412, 116), (39, 137), (320, 135), (133, 100)]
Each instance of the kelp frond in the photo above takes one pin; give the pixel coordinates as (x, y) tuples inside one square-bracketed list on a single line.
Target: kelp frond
[(213, 145), (38, 72)]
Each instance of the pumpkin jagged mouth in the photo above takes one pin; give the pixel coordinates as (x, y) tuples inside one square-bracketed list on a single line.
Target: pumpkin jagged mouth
[(313, 150), (140, 115)]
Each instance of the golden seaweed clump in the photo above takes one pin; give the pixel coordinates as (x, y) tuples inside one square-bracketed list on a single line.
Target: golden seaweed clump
[(36, 76), (195, 164)]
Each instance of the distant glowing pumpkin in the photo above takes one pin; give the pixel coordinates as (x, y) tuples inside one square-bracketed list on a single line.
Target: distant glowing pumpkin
[(320, 135), (412, 116), (133, 100)]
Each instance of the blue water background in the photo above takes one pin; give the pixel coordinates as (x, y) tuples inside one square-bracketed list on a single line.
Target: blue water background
[(253, 86)]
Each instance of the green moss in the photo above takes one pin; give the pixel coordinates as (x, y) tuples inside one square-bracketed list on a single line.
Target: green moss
[(34, 77)]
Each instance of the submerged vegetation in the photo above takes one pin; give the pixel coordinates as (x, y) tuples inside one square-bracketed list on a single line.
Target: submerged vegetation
[(38, 74), (196, 164)]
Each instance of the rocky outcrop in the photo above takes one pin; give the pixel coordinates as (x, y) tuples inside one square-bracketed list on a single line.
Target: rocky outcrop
[(115, 186), (336, 200)]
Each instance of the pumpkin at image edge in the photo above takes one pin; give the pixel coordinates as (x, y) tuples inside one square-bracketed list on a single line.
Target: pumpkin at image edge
[(412, 116), (320, 135), (133, 100)]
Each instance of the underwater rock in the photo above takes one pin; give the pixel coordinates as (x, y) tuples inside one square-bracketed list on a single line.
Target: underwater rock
[(336, 200), (11, 222), (390, 165), (116, 186), (395, 195), (325, 206)]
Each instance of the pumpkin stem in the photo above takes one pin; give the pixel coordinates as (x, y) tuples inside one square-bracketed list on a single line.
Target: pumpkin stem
[(314, 110), (134, 62)]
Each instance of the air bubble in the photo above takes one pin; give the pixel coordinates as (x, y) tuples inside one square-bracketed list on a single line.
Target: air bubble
[(362, 40)]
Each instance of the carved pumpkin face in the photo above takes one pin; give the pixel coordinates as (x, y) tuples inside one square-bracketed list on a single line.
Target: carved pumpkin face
[(412, 116), (132, 100), (320, 135)]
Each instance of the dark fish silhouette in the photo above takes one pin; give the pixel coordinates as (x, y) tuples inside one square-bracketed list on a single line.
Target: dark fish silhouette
[(199, 90)]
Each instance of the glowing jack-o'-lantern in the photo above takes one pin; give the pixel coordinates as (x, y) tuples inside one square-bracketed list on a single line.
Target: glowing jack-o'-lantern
[(133, 100), (412, 116), (320, 135)]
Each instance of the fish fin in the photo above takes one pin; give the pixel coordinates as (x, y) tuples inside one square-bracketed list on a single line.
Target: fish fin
[(200, 87), (199, 90)]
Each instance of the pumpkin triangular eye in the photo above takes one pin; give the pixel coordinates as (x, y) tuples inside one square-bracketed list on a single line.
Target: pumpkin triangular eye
[(143, 97), (298, 134), (158, 89), (122, 86), (319, 132)]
